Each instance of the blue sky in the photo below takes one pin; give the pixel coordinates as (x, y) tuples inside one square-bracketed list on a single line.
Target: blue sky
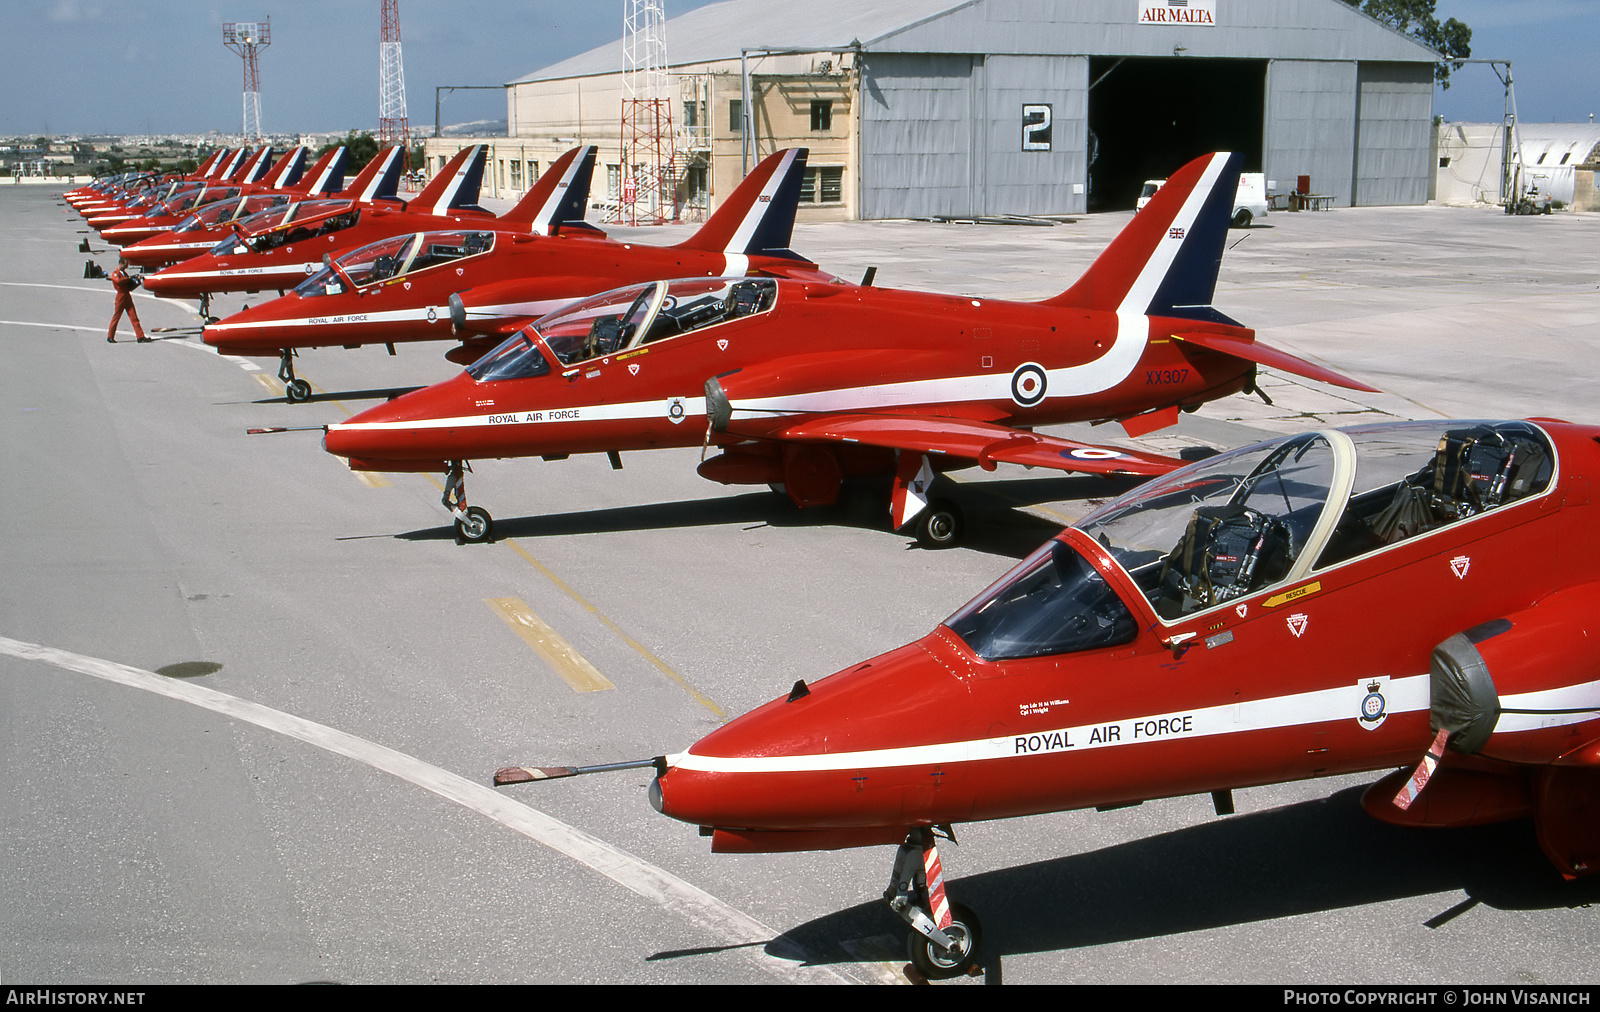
[(121, 66)]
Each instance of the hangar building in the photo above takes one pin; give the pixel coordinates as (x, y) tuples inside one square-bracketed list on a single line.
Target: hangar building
[(989, 107)]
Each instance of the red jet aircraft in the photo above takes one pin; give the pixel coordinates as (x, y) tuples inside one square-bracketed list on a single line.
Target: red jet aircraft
[(804, 383), (183, 195), (279, 249), (403, 288), (1327, 603), (209, 225), (114, 189), (169, 214)]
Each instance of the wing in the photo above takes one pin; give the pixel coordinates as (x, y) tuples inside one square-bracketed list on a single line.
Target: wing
[(984, 442)]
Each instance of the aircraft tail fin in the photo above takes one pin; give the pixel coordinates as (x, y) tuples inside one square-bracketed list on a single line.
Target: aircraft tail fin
[(256, 168), (1164, 262), (230, 164), (289, 168), (205, 168), (457, 184), (757, 219), (378, 180), (326, 176), (559, 196)]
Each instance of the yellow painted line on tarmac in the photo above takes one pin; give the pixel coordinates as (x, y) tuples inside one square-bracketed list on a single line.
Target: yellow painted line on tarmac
[(371, 479), (272, 383), (572, 666), (605, 620), (643, 651)]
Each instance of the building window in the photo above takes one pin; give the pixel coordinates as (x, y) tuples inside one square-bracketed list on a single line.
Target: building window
[(736, 116), (823, 184), (821, 114), (533, 170), (696, 183), (690, 120), (516, 173), (613, 181)]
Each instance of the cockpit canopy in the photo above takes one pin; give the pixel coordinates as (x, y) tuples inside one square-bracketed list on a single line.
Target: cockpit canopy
[(396, 257), (625, 318), (1251, 519), (305, 219), (222, 212)]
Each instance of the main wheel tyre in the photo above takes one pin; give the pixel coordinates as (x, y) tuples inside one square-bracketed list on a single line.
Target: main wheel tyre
[(1241, 218), (476, 528), (940, 525), (936, 964), (298, 391)]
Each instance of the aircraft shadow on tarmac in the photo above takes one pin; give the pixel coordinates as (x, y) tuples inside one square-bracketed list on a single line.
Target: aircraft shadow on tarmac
[(993, 525), (380, 394), (1307, 858)]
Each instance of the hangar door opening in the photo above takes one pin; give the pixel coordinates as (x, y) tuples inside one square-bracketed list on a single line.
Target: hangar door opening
[(1150, 115)]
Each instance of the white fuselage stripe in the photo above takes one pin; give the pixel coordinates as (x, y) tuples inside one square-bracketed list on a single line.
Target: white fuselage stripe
[(392, 316), (1103, 373), (269, 271), (1401, 695), (693, 407)]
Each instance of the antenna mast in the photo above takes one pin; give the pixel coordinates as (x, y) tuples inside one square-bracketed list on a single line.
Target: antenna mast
[(392, 125), (247, 38), (648, 178)]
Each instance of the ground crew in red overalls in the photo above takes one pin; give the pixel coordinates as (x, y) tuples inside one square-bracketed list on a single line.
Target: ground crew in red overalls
[(125, 283)]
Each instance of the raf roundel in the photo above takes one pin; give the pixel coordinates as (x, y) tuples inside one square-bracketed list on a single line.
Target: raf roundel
[(1028, 384)]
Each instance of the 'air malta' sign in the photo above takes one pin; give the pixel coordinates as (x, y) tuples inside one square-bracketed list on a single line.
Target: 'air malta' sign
[(1178, 12)]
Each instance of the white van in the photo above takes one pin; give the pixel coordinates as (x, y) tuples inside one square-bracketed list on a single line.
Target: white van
[(1249, 202)]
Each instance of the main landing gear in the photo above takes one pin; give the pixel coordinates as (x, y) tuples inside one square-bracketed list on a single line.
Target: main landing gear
[(936, 523), (297, 391), (946, 937), (473, 523), (940, 525)]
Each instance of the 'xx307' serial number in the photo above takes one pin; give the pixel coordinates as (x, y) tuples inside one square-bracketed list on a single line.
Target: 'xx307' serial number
[(1154, 377)]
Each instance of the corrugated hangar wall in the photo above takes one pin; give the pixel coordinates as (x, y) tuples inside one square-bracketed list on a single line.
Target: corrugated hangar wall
[(942, 135), (1311, 125), (1394, 133)]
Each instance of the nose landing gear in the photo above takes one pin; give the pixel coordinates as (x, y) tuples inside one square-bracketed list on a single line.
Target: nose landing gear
[(473, 523), (945, 937), (296, 390)]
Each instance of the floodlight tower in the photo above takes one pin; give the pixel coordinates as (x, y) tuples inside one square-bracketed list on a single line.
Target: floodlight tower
[(247, 38), (648, 178), (392, 125)]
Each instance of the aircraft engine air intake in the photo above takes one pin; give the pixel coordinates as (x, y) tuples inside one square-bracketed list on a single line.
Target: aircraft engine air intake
[(719, 411), (1492, 683)]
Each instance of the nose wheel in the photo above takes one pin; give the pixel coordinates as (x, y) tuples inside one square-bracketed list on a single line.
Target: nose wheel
[(474, 525), (946, 937), (298, 391)]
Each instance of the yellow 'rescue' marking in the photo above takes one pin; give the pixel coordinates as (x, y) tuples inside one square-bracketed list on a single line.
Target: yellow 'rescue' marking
[(1292, 595), (572, 666)]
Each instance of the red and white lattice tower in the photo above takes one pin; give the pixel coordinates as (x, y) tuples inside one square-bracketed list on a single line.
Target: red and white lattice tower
[(648, 179), (392, 126), (247, 38)]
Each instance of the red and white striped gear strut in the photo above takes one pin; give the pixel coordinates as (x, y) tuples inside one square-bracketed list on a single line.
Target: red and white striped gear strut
[(934, 872), (1419, 779)]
